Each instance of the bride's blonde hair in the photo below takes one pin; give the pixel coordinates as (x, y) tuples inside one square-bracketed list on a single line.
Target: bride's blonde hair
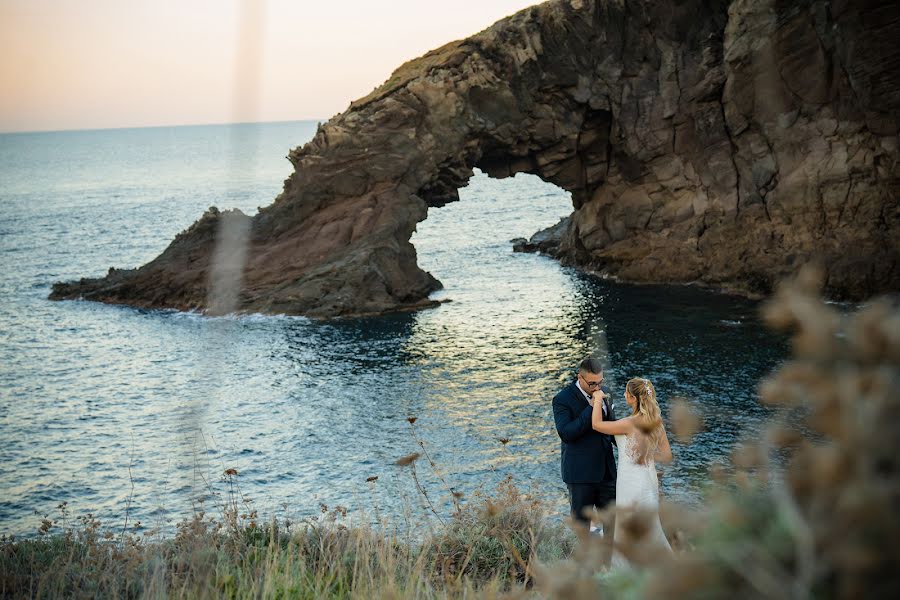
[(648, 417)]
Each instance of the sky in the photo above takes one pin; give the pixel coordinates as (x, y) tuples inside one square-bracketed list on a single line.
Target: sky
[(90, 64)]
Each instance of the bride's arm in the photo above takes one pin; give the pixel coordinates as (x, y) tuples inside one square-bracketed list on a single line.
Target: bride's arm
[(664, 451), (608, 427)]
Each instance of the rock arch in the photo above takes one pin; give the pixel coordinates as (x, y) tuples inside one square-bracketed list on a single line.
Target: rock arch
[(702, 141)]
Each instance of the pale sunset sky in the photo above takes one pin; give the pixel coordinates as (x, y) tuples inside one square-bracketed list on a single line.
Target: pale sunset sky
[(84, 64)]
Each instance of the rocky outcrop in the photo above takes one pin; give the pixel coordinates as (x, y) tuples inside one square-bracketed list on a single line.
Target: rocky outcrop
[(545, 241), (702, 141)]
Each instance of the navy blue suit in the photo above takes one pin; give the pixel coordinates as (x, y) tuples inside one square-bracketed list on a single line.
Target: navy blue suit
[(588, 465)]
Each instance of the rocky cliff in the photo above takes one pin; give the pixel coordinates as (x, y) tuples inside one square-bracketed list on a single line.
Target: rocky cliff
[(705, 141)]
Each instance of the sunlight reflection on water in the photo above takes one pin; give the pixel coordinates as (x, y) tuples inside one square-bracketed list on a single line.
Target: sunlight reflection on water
[(306, 411)]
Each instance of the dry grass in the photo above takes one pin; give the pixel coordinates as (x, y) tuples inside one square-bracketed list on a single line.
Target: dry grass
[(808, 513), (486, 545)]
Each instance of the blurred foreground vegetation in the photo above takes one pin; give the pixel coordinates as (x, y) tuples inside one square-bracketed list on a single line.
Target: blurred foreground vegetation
[(825, 525)]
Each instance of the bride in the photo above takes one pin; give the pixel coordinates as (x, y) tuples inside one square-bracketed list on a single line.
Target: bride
[(641, 439)]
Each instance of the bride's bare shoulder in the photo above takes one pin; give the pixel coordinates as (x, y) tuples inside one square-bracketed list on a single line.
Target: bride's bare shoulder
[(630, 422)]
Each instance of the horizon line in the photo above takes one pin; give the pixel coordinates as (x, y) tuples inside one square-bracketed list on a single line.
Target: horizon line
[(159, 126)]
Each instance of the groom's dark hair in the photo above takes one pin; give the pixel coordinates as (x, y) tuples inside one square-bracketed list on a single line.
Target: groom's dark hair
[(590, 365)]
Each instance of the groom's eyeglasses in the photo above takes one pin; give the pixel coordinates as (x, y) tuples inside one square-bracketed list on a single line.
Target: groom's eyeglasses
[(592, 384)]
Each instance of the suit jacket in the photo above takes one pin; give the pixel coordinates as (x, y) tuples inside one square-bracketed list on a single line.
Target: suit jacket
[(587, 455)]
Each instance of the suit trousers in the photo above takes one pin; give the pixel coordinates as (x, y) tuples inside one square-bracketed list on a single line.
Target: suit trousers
[(585, 495)]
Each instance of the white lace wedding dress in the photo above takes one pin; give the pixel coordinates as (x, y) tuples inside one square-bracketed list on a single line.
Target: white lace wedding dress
[(637, 487)]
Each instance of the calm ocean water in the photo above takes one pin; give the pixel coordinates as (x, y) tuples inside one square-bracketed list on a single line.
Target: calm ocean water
[(104, 406)]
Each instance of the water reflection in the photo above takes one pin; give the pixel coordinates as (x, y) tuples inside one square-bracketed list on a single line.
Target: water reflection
[(485, 377), (306, 411), (380, 343)]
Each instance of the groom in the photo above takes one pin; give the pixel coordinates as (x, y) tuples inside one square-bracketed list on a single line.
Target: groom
[(588, 465)]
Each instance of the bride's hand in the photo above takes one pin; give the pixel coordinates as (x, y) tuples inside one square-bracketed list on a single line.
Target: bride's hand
[(597, 400)]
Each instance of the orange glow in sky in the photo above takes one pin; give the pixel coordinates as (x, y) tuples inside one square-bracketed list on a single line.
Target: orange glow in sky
[(67, 64)]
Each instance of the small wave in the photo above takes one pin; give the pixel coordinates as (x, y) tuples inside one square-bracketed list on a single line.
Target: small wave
[(731, 323), (263, 318), (847, 307), (196, 315)]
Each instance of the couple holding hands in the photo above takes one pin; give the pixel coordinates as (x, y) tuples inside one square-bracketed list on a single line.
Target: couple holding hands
[(588, 428)]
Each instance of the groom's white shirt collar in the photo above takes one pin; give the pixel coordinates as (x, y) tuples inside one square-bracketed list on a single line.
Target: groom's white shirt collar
[(587, 396)]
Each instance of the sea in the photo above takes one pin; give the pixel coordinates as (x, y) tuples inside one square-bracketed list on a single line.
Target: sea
[(141, 418)]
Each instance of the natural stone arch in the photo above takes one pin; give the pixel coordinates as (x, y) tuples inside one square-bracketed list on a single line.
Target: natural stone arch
[(666, 122)]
